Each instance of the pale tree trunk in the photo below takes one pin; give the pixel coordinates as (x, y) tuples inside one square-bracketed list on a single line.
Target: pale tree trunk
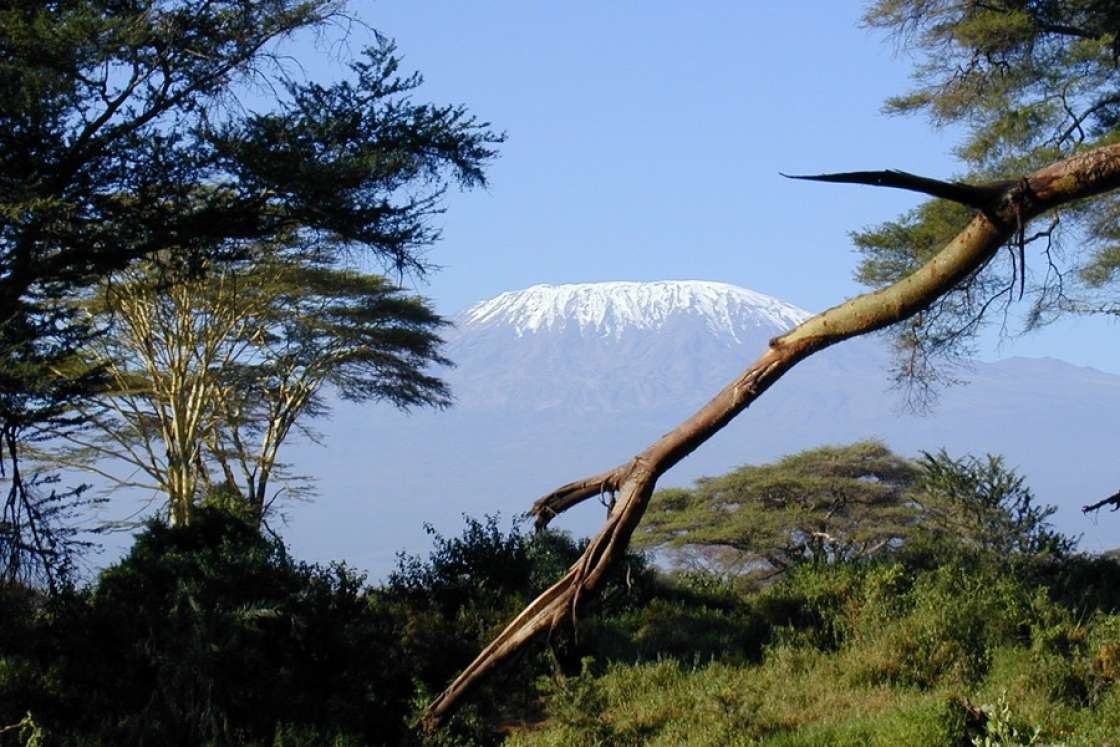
[(1005, 208)]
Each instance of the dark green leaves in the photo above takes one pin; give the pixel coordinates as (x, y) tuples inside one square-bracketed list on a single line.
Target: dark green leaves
[(1026, 83)]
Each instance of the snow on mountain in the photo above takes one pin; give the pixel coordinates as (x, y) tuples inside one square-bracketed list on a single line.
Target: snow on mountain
[(608, 309), (610, 347)]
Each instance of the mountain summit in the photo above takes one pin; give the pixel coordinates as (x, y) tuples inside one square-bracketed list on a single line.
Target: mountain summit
[(610, 347), (610, 309)]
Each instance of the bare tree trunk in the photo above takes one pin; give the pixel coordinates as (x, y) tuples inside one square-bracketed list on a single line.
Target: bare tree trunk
[(1011, 205)]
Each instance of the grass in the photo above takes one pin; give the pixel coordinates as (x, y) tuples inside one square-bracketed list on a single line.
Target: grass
[(793, 698), (875, 655)]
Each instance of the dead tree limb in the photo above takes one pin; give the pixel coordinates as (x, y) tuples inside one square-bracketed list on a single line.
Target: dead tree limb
[(975, 196), (1112, 500), (1000, 218), (566, 496)]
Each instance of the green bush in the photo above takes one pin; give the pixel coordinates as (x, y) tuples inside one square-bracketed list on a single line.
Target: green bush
[(890, 652), (671, 627), (211, 633), (812, 605), (454, 601), (484, 567), (954, 618)]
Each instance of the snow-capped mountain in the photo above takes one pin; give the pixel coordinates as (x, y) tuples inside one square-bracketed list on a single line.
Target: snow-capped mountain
[(612, 309), (610, 347), (554, 383)]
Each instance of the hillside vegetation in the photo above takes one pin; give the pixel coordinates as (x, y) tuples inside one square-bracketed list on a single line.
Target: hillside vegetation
[(882, 653), (213, 634)]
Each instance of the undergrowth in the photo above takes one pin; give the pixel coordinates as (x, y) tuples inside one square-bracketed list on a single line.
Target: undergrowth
[(886, 653), (214, 635)]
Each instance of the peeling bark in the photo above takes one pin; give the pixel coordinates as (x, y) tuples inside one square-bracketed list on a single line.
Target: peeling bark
[(1008, 207)]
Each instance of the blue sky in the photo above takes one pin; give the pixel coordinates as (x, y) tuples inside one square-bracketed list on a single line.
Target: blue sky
[(645, 141)]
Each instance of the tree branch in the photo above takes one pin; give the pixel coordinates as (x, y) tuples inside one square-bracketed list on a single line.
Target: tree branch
[(1112, 500), (975, 196), (566, 496), (1085, 175)]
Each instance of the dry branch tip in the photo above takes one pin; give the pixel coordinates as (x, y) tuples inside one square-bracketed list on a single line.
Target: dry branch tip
[(975, 196), (1113, 501)]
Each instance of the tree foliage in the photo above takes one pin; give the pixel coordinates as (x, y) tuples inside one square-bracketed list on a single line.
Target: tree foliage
[(823, 505), (125, 132), (123, 136), (845, 503), (981, 504), (1029, 82), (211, 370)]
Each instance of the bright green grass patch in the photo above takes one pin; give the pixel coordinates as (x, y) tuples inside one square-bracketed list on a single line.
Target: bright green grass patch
[(795, 698)]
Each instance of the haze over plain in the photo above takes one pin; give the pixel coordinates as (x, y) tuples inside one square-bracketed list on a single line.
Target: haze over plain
[(557, 382)]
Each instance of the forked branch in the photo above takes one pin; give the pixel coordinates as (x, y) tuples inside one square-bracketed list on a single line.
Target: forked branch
[(1007, 207), (566, 496)]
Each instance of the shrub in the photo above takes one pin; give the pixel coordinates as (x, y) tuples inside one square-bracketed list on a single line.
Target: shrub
[(455, 600), (812, 605), (210, 633), (944, 629)]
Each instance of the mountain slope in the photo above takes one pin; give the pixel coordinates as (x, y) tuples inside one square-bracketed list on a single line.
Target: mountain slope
[(616, 309), (609, 347)]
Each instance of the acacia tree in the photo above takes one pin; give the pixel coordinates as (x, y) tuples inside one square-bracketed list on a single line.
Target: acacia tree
[(122, 135), (824, 505), (844, 503), (325, 327), (212, 368), (994, 214)]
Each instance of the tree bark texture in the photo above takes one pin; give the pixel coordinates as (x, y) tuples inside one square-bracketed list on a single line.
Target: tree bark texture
[(1011, 205)]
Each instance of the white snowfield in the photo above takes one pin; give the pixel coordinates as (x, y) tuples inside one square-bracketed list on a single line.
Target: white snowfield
[(608, 309)]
